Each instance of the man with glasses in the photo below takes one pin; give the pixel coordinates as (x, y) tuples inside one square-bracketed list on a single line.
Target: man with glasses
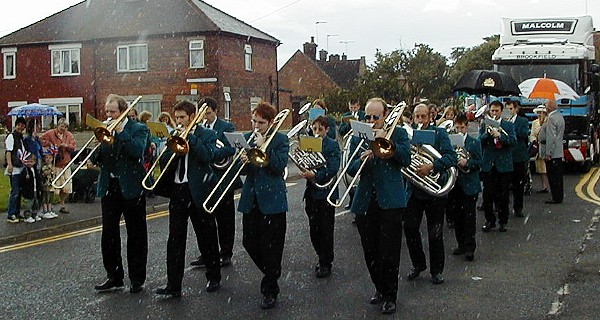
[(496, 166), (420, 201), (379, 204)]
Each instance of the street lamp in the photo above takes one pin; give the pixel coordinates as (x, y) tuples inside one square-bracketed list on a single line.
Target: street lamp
[(346, 43), (317, 29), (330, 35)]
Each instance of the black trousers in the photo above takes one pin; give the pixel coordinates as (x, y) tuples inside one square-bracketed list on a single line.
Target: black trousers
[(380, 233), (518, 180), (462, 208), (181, 207), (225, 215), (263, 239), (554, 168), (434, 213), (134, 211), (495, 191), (321, 219)]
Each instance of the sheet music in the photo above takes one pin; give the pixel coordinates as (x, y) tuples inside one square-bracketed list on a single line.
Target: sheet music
[(237, 140), (362, 130)]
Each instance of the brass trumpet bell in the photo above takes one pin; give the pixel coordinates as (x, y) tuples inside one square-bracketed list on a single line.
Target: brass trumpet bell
[(178, 145), (258, 157), (103, 135), (383, 148)]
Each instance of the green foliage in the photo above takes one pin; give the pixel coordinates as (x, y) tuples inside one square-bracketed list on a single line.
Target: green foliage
[(475, 58), (4, 192)]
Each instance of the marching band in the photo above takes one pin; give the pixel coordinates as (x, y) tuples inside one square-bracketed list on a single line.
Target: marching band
[(405, 169)]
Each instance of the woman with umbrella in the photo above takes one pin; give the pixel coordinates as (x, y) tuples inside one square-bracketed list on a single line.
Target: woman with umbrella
[(64, 141)]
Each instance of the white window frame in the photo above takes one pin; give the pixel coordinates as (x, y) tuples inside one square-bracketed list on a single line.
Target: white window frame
[(6, 53), (128, 67), (248, 57), (197, 45), (66, 105), (68, 51)]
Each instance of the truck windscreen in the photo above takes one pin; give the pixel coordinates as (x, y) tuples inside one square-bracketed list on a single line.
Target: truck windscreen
[(567, 73)]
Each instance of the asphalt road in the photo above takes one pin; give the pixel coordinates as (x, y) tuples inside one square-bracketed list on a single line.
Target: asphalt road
[(516, 275)]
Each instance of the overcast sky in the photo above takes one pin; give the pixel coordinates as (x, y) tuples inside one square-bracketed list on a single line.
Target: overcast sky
[(367, 24)]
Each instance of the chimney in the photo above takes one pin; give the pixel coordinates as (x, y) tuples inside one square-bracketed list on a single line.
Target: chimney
[(344, 57), (334, 57), (310, 49), (323, 55)]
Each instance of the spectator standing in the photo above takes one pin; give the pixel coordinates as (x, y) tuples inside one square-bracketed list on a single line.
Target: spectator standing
[(14, 166), (540, 163), (31, 189), (552, 150), (64, 141), (48, 173)]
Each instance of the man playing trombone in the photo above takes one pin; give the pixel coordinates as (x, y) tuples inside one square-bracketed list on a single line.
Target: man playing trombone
[(321, 214), (121, 193), (225, 211), (192, 179), (379, 203), (264, 202)]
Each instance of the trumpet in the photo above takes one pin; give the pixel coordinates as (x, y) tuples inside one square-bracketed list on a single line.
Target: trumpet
[(178, 144), (102, 135), (257, 156)]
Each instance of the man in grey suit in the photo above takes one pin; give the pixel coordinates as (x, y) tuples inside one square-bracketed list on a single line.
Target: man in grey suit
[(552, 149)]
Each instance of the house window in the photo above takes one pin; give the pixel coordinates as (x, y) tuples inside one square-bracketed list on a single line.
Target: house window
[(197, 54), (69, 107), (65, 59), (152, 106), (248, 57), (10, 63), (132, 57)]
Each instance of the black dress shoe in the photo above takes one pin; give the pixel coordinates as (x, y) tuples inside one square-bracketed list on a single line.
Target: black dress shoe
[(414, 273), (268, 302), (136, 288), (377, 298), (437, 278), (199, 262), (109, 284), (167, 291), (469, 256), (323, 271), (553, 202), (488, 226), (225, 261), (502, 227), (458, 251), (388, 307), (212, 286)]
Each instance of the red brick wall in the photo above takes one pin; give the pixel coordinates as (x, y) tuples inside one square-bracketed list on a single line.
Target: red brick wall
[(34, 80)]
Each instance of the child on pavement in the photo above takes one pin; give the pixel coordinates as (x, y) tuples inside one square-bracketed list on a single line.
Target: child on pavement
[(31, 189), (48, 175)]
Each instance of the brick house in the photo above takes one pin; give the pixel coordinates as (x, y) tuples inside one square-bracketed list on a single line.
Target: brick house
[(306, 77), (164, 50)]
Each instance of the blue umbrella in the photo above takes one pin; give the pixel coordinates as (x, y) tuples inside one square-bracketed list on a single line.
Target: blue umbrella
[(34, 110)]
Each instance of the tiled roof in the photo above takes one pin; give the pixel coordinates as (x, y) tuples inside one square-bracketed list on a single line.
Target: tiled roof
[(103, 19), (342, 72)]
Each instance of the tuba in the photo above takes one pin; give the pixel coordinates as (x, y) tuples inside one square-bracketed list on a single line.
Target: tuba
[(431, 183)]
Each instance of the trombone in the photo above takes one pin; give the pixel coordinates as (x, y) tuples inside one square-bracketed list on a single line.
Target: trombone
[(257, 156), (102, 135), (178, 144), (382, 147)]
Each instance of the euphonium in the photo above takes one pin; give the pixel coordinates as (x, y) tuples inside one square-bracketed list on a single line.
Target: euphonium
[(431, 183)]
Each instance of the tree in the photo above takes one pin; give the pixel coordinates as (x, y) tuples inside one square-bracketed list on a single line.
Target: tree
[(475, 58), (425, 73)]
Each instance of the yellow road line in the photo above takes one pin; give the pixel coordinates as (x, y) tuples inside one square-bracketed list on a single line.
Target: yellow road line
[(82, 232), (68, 235), (592, 184), (586, 180)]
